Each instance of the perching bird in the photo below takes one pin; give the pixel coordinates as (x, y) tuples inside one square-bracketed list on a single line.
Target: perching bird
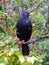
[(24, 31)]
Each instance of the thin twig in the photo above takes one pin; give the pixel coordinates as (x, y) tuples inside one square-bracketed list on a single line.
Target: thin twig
[(30, 41), (43, 9), (22, 6), (4, 6), (35, 40), (48, 9), (6, 45), (5, 14), (32, 3), (36, 7)]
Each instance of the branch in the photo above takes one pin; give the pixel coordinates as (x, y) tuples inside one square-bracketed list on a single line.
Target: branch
[(36, 7), (5, 14), (22, 6), (30, 41), (35, 40), (7, 45), (48, 9), (31, 3), (43, 9), (4, 6)]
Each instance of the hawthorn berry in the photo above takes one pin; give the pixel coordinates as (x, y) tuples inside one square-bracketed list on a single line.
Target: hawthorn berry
[(19, 45), (5, 28), (1, 21), (37, 53)]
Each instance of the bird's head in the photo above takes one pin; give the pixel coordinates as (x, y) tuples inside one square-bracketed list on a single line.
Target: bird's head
[(25, 14)]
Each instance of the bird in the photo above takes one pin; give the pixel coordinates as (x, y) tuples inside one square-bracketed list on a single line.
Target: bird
[(24, 30)]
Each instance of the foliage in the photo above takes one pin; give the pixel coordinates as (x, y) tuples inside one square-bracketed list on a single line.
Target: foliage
[(10, 54)]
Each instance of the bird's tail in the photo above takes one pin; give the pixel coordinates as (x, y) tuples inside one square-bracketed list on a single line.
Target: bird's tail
[(25, 49)]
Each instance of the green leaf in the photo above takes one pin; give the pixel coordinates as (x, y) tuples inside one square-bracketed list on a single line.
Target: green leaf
[(2, 31)]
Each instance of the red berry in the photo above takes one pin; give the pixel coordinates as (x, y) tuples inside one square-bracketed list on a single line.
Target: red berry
[(19, 45), (37, 53), (1, 21), (5, 28)]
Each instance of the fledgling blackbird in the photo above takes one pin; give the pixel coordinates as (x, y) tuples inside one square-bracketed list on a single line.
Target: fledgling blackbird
[(24, 31)]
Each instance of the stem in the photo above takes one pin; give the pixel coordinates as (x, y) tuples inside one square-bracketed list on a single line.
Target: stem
[(36, 40), (5, 14), (48, 9), (36, 7), (4, 6), (22, 6), (31, 41), (39, 6), (32, 3)]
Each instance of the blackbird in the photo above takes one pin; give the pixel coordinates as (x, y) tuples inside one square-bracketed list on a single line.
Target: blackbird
[(24, 31)]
